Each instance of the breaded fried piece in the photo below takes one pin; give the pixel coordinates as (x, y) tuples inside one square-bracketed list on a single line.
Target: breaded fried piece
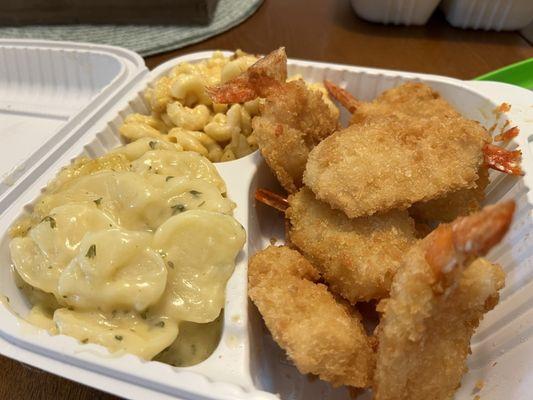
[(293, 119), (411, 98), (273, 141), (356, 257), (321, 335), (438, 297), (397, 159), (453, 205), (415, 99)]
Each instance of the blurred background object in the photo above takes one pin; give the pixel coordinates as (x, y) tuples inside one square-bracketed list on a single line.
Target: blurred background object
[(397, 12), (527, 32), (106, 11), (145, 38), (498, 15)]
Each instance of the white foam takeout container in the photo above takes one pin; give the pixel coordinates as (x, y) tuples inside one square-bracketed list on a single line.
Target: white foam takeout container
[(60, 100)]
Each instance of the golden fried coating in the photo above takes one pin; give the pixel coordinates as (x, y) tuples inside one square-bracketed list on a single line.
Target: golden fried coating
[(356, 257), (394, 155), (438, 297), (416, 99), (320, 334), (292, 121), (453, 205), (293, 118)]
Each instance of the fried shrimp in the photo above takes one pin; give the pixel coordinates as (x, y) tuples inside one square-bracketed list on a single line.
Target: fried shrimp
[(356, 257), (453, 205), (415, 99), (395, 155), (320, 334), (293, 118), (438, 297), (420, 101)]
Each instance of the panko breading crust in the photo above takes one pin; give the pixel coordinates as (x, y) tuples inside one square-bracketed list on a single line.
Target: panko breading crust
[(293, 120), (424, 338), (438, 297), (356, 257), (320, 334), (453, 205), (390, 158)]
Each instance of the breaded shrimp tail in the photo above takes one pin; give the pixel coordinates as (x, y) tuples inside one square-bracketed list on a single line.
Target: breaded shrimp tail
[(256, 81), (347, 100), (438, 297), (321, 335)]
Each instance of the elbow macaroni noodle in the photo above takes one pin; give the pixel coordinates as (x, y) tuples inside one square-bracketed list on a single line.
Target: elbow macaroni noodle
[(182, 113), (126, 249)]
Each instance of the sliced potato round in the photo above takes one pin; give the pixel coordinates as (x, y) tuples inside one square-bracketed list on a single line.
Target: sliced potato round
[(200, 248), (179, 164), (40, 257), (114, 269)]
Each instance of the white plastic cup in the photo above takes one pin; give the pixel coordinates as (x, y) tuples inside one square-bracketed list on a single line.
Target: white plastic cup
[(397, 12), (498, 15)]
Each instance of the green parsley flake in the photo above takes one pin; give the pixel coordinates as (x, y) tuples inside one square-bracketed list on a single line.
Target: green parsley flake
[(50, 220), (178, 208), (91, 253)]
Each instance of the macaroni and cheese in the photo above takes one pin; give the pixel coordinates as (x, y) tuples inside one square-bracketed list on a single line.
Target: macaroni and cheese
[(183, 114)]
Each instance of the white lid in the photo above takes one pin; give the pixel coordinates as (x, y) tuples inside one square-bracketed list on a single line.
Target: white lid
[(49, 88)]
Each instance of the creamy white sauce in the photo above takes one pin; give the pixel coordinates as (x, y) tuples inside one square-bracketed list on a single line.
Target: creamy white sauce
[(127, 250)]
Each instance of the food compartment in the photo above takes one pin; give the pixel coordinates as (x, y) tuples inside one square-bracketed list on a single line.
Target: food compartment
[(247, 363), (502, 330), (229, 361)]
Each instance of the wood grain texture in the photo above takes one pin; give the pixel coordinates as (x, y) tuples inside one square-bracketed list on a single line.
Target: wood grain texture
[(321, 30), (328, 30)]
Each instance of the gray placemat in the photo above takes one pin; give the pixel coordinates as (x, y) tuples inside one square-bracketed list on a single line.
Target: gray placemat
[(144, 39)]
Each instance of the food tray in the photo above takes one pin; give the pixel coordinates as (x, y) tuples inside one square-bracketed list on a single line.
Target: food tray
[(247, 364)]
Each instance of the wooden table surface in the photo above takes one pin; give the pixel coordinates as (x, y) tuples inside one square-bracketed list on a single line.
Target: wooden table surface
[(321, 30)]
